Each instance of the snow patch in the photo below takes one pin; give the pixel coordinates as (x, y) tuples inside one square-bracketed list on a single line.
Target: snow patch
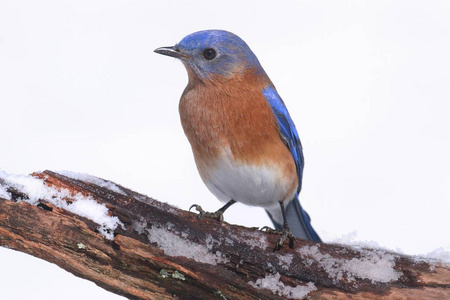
[(285, 260), (3, 192), (94, 180), (437, 257), (375, 265), (87, 207), (273, 283), (351, 239), (174, 245), (255, 239), (441, 255), (139, 226), (229, 241)]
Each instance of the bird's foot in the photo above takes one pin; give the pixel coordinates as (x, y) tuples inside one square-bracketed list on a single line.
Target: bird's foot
[(285, 234), (269, 230), (218, 215)]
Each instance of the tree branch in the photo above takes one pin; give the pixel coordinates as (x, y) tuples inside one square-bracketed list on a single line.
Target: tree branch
[(166, 253)]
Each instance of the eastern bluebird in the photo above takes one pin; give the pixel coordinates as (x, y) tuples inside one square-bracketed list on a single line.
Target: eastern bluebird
[(244, 141)]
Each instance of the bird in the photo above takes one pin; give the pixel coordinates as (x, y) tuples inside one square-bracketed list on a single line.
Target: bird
[(245, 143)]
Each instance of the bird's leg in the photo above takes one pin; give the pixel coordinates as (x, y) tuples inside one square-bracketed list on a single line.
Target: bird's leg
[(218, 215), (285, 231)]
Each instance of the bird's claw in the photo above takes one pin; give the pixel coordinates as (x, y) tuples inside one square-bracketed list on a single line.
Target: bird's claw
[(285, 234), (197, 208), (218, 215), (269, 230)]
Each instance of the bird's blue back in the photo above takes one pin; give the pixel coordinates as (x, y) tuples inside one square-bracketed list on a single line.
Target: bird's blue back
[(296, 215), (287, 130)]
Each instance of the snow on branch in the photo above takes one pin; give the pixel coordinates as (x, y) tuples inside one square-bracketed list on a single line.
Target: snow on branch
[(135, 246)]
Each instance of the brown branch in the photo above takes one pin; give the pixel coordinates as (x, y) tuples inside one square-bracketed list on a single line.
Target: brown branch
[(167, 253)]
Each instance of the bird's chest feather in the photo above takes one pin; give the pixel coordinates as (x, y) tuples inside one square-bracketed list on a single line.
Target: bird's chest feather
[(236, 144), (218, 119)]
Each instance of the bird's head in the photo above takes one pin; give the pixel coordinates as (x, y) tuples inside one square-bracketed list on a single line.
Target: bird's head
[(213, 52)]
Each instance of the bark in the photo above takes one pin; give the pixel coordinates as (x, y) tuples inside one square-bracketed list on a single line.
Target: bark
[(207, 260)]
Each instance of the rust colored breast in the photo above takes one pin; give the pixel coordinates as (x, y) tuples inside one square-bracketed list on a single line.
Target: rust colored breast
[(233, 116)]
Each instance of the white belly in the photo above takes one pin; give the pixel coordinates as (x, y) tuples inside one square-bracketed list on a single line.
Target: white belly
[(257, 185)]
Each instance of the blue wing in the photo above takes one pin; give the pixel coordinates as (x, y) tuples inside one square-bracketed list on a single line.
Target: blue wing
[(287, 130), (296, 216)]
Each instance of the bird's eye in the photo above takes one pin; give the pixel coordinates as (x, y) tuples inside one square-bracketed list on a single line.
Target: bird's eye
[(209, 54)]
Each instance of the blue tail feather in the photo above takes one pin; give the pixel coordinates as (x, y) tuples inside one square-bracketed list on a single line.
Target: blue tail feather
[(299, 222)]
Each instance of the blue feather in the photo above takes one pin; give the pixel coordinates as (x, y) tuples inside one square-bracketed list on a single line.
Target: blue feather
[(287, 130), (298, 219)]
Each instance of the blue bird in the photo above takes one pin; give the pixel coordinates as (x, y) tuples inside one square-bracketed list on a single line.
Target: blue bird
[(245, 144)]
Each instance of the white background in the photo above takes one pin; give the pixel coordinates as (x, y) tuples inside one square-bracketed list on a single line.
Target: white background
[(367, 83)]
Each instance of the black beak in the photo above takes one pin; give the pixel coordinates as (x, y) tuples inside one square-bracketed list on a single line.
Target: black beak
[(171, 51)]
